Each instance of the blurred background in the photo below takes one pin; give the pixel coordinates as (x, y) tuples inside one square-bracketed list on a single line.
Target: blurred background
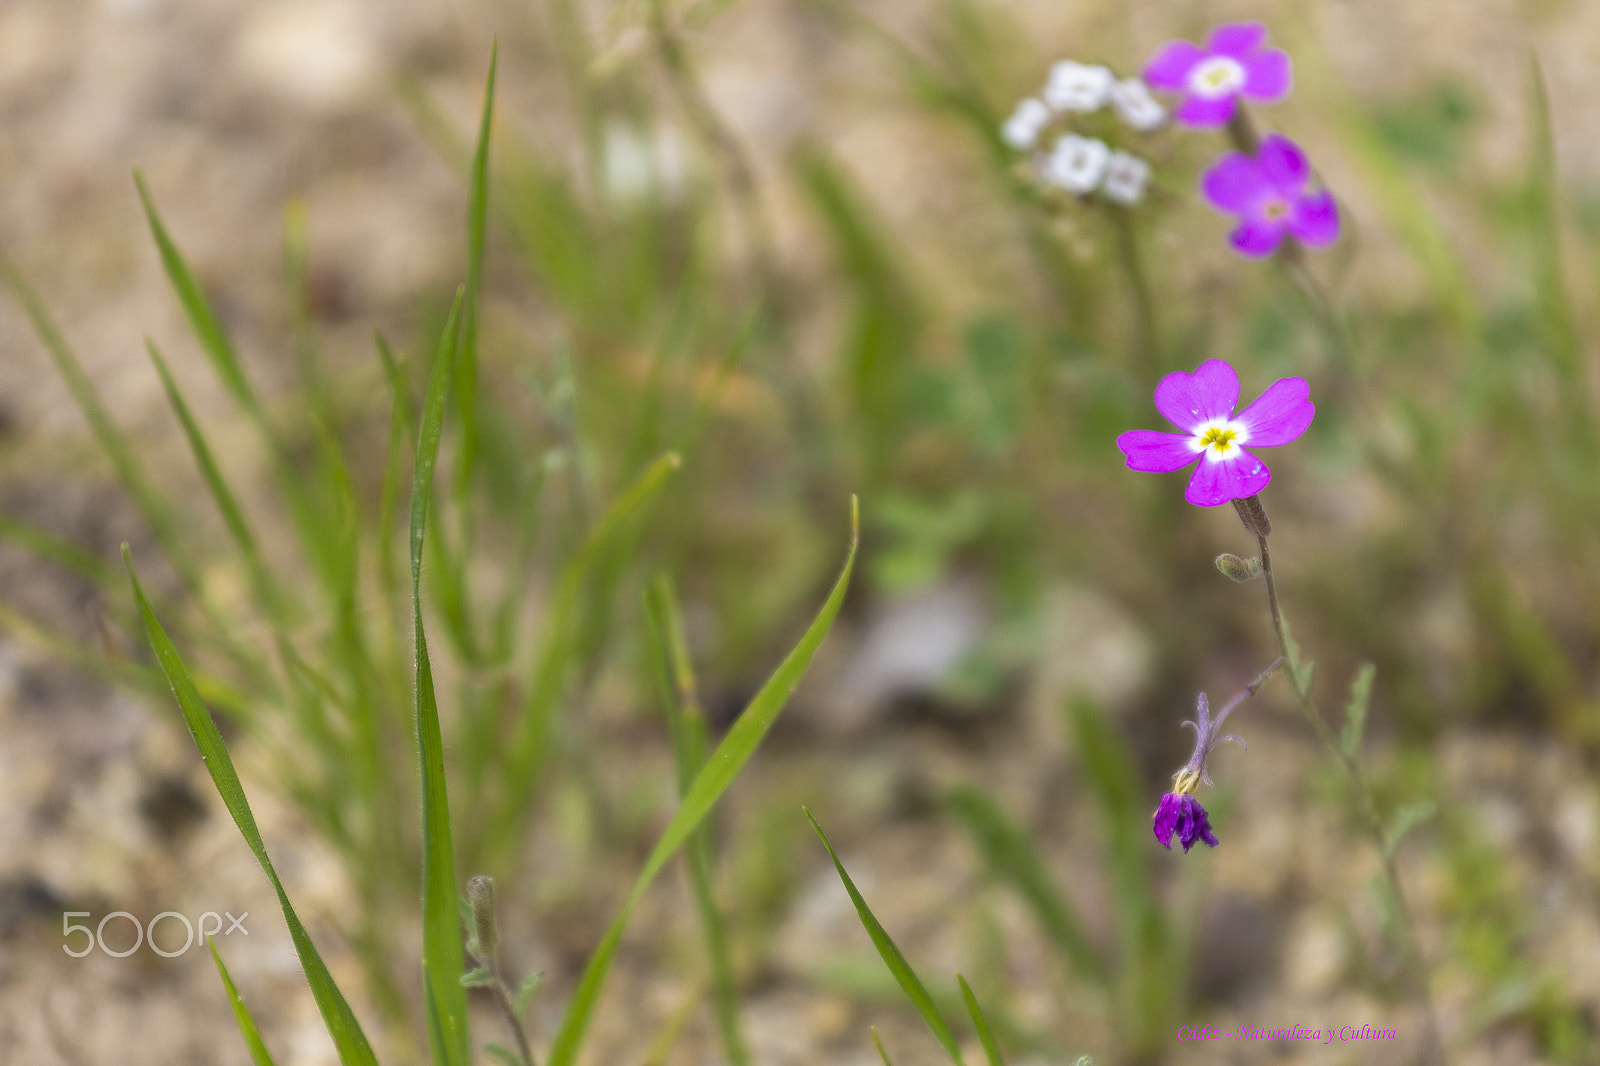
[(782, 238)]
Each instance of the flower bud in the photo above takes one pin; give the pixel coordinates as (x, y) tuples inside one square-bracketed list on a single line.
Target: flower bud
[(480, 896), (1237, 569)]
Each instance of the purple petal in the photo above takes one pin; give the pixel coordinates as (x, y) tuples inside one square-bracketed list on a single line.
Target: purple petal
[(1267, 76), (1314, 219), (1203, 113), (1169, 68), (1156, 452), (1234, 183), (1283, 164), (1187, 400), (1216, 481), (1257, 237), (1281, 414), (1166, 819), (1236, 39)]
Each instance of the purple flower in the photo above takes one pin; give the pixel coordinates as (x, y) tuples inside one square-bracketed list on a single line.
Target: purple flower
[(1269, 194), (1201, 404), (1182, 814), (1212, 78)]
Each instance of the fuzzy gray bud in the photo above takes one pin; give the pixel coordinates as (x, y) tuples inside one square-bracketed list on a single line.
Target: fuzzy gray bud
[(1237, 569), (480, 896)]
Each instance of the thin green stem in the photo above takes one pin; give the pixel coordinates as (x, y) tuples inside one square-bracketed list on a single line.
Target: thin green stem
[(1433, 1048), (1144, 305)]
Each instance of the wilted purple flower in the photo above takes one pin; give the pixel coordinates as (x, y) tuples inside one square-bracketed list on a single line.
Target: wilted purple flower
[(1233, 62), (1201, 404), (1181, 813), (1270, 194)]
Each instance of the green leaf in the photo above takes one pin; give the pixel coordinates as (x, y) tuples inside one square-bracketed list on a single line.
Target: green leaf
[(348, 1039), (709, 785), (526, 991), (1406, 819), (1355, 711), (503, 1055), (241, 1013), (687, 725), (1012, 858), (442, 959), (991, 1050), (892, 958), (477, 978)]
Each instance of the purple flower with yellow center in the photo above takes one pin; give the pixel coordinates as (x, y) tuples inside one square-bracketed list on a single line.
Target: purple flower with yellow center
[(1201, 405), (1234, 63), (1270, 194)]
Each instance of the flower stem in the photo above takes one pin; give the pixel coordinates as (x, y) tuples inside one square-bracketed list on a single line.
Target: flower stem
[(1144, 305), (1433, 1048)]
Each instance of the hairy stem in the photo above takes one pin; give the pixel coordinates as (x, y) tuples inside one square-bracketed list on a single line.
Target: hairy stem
[(1433, 1048)]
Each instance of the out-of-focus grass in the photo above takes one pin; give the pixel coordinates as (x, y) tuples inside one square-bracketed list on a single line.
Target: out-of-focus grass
[(1452, 468)]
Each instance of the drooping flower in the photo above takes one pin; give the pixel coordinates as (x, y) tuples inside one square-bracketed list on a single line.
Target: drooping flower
[(1131, 100), (1182, 814), (1078, 87), (1179, 812), (1234, 62), (1201, 405), (1021, 131), (1270, 194), (1077, 163), (1125, 178)]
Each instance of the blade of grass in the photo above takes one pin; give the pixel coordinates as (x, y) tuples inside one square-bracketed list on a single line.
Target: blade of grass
[(877, 1042), (687, 723), (522, 765), (53, 549), (909, 982), (348, 1039), (241, 1013), (1011, 857), (225, 361), (709, 785), (991, 1050), (443, 962)]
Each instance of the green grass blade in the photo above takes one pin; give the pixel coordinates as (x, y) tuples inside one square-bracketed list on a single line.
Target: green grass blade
[(151, 503), (686, 721), (53, 549), (709, 785), (991, 1050), (1011, 857), (241, 1013), (877, 1042), (443, 962), (892, 957), (348, 1038), (523, 763), (213, 339), (467, 337)]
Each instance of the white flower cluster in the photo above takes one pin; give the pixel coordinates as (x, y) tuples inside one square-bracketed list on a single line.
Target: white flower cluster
[(1079, 164)]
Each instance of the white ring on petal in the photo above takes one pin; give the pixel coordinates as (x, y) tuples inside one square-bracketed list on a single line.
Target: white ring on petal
[(1216, 77), (1216, 453)]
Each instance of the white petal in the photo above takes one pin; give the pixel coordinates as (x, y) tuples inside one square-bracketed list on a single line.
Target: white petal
[(1132, 100), (1021, 130), (1077, 163), (1076, 87), (1125, 178)]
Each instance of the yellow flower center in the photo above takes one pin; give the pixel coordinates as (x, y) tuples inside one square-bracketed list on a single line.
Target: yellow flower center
[(1275, 209), (1184, 782), (1219, 439)]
